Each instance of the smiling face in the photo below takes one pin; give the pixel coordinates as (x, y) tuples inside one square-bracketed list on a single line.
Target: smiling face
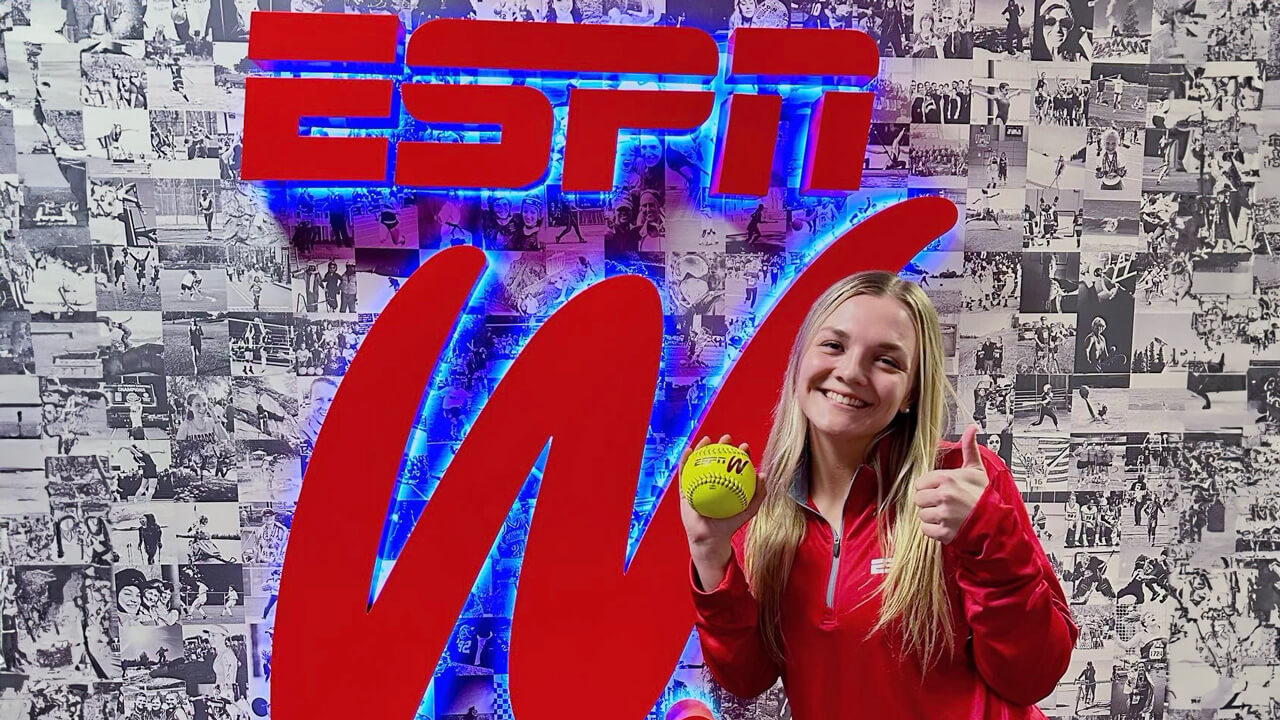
[(628, 156), (321, 397), (1057, 22), (650, 151), (649, 204), (129, 599), (530, 213), (857, 370), (199, 405)]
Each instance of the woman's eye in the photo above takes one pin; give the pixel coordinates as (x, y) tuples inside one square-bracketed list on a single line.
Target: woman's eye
[(831, 344)]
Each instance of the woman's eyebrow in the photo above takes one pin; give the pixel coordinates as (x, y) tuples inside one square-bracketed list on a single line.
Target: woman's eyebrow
[(883, 345), (891, 345)]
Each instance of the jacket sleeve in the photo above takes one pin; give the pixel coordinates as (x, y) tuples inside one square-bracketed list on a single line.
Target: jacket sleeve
[(1023, 632), (728, 630)]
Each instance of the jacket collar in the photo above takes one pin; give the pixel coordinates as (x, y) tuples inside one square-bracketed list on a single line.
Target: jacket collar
[(799, 490)]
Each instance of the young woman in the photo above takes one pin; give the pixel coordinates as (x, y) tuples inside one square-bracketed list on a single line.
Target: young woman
[(1056, 36), (195, 586), (759, 13), (206, 211), (200, 421), (1110, 169), (1096, 349), (1003, 98), (230, 598), (150, 536), (156, 610), (1013, 31), (1046, 407), (320, 397), (884, 572), (201, 547)]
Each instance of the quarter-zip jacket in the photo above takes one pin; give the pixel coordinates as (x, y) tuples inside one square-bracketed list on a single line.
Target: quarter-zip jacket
[(1013, 628)]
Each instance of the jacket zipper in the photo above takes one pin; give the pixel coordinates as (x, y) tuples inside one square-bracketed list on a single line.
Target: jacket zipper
[(835, 564)]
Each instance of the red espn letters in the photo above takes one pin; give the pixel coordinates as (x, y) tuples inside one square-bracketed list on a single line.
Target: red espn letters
[(331, 42), (589, 637)]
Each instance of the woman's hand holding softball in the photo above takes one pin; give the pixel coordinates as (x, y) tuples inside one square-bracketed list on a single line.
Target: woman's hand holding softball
[(710, 539), (716, 532)]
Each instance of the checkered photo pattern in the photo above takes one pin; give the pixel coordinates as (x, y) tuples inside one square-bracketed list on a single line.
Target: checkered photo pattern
[(171, 338)]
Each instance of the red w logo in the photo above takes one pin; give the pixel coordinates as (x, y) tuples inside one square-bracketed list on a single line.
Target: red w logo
[(620, 629), (735, 465)]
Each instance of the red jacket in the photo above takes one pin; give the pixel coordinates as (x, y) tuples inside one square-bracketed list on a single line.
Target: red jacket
[(1003, 591)]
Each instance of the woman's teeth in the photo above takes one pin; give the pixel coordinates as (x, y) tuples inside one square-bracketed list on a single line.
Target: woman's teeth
[(844, 399)]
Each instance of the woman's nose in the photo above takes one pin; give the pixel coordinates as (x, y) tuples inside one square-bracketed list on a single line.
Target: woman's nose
[(850, 370)]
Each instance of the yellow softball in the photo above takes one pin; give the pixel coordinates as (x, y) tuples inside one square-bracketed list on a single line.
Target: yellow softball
[(718, 480)]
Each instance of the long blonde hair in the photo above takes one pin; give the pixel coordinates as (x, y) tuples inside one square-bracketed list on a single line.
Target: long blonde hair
[(913, 590)]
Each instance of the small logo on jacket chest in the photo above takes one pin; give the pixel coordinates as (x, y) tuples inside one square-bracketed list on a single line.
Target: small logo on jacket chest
[(880, 566)]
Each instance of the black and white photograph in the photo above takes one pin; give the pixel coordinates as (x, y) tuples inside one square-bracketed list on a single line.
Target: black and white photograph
[(997, 159), (17, 357), (1119, 94), (201, 210), (1172, 159), (993, 218), (1106, 306), (938, 156), (1062, 31), (68, 634), (193, 277), (70, 348), (888, 153), (179, 75), (1056, 158), (1049, 282), (1122, 31), (319, 347), (127, 278), (268, 469), (1002, 93), (892, 103), (261, 343), (265, 408), (172, 337), (1114, 156), (265, 532), (1053, 219), (257, 278), (1111, 225), (944, 99), (197, 343), (1001, 29), (1062, 92)]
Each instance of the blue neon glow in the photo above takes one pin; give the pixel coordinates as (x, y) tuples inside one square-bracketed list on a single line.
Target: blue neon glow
[(434, 441)]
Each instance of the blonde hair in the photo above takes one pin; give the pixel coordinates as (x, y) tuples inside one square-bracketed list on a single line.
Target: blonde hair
[(914, 589)]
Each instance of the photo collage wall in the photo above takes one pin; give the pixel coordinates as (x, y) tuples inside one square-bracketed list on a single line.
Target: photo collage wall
[(171, 337)]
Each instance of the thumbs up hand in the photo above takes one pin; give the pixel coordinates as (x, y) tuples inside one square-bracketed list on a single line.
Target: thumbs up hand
[(945, 498)]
